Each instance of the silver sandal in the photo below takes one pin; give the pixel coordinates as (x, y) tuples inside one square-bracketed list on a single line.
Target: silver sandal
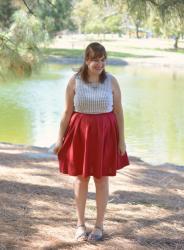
[(96, 234), (81, 233)]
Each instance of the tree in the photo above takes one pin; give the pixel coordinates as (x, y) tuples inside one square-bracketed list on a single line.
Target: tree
[(54, 14), (172, 14), (113, 24), (57, 12), (91, 18), (96, 27), (6, 11), (28, 30), (156, 25), (139, 11), (83, 15), (19, 49), (136, 9)]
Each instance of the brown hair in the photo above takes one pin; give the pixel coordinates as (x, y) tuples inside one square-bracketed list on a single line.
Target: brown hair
[(93, 51)]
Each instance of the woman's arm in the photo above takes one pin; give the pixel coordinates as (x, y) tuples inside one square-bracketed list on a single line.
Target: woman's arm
[(69, 95), (118, 110)]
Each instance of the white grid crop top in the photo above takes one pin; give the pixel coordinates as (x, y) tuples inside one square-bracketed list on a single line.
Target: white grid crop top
[(93, 98)]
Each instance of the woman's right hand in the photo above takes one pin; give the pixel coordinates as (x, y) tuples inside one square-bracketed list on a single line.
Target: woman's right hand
[(57, 147)]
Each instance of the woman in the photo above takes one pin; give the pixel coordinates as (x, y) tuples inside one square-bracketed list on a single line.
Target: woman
[(91, 138)]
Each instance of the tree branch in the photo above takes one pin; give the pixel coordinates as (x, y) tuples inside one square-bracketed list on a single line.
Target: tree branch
[(51, 4), (153, 2), (30, 11)]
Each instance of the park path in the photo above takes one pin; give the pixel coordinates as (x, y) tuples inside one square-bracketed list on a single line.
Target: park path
[(145, 209)]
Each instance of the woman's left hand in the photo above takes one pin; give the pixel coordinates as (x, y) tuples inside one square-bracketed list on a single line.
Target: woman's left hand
[(122, 147)]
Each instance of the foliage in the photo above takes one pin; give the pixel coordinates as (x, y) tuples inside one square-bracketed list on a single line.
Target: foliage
[(23, 32), (27, 29), (172, 14), (139, 12), (156, 25), (89, 18), (113, 24), (55, 14), (85, 12), (164, 17), (6, 12), (20, 47)]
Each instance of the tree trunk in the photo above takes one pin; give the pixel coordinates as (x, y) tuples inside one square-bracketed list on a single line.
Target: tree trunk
[(176, 41), (137, 31)]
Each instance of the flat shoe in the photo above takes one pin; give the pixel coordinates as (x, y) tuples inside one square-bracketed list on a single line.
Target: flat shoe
[(81, 234), (96, 234)]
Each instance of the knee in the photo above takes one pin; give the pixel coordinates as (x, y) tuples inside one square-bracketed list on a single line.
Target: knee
[(82, 180), (103, 181)]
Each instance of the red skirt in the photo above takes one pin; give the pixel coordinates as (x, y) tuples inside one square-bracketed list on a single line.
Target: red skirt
[(90, 146)]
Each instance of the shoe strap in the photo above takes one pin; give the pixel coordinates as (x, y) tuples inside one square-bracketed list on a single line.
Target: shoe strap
[(81, 226), (101, 229)]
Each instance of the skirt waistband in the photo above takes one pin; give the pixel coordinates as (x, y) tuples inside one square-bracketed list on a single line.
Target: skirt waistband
[(93, 114)]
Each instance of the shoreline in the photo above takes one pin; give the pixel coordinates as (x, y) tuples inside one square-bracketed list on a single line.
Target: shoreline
[(153, 62), (148, 52), (47, 153)]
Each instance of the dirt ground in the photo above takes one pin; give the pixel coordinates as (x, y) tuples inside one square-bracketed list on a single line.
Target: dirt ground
[(145, 209)]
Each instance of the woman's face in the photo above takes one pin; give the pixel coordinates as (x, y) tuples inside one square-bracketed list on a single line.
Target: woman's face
[(96, 66)]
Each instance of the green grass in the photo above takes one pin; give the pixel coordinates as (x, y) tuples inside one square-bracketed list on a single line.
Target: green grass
[(123, 54), (80, 52), (63, 52), (179, 50), (173, 50)]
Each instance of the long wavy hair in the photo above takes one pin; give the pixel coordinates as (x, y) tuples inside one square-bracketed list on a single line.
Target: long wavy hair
[(93, 51)]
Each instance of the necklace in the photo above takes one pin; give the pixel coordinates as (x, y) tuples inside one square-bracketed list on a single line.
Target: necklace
[(94, 84)]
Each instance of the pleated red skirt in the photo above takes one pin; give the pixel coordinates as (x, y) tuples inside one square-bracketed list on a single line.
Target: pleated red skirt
[(90, 146)]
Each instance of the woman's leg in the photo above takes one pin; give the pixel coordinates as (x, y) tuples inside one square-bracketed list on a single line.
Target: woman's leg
[(102, 194), (80, 192)]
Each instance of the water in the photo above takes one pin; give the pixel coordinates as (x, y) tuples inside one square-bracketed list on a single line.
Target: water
[(152, 99)]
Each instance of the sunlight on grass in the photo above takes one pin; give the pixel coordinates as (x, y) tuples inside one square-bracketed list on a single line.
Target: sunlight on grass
[(80, 52)]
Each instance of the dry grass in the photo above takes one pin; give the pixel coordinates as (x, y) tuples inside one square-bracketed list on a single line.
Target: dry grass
[(37, 211)]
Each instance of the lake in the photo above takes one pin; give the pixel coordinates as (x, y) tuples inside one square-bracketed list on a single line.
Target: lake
[(152, 99)]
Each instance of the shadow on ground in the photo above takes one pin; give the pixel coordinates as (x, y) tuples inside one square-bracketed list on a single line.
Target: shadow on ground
[(145, 209)]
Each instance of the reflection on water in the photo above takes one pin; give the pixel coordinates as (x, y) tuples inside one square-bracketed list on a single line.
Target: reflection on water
[(154, 114), (30, 110)]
